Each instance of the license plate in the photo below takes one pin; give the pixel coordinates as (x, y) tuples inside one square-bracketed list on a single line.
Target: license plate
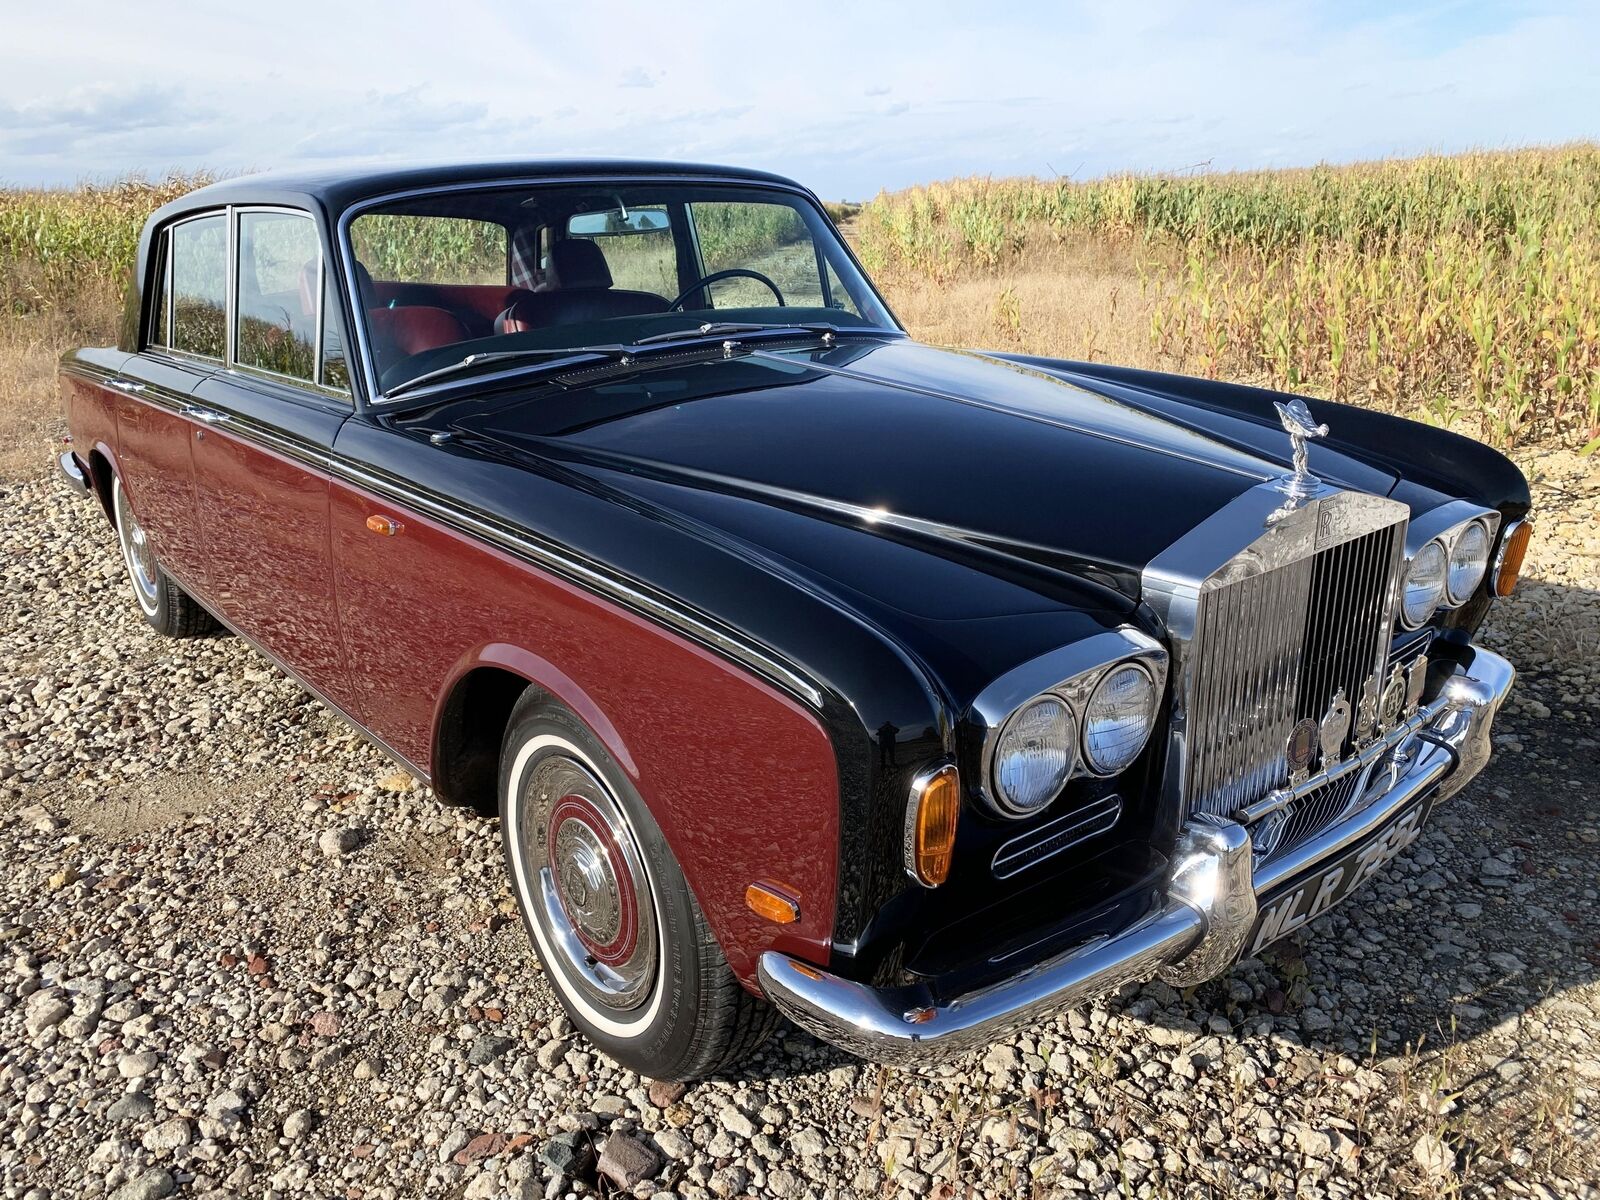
[(1305, 900)]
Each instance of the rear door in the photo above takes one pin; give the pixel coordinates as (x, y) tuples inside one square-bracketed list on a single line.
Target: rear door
[(265, 426), (184, 344)]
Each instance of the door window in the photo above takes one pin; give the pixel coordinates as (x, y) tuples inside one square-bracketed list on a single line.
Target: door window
[(769, 239), (280, 282), (200, 286)]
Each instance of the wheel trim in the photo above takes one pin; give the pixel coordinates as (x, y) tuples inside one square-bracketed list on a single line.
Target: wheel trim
[(588, 895), (138, 555)]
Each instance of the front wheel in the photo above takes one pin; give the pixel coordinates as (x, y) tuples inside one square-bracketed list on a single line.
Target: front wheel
[(623, 942), (165, 606)]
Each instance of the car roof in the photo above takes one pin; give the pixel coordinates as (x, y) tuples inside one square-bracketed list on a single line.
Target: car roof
[(336, 187)]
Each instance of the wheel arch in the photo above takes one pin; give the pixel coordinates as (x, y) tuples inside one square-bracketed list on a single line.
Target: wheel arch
[(475, 706), (102, 471)]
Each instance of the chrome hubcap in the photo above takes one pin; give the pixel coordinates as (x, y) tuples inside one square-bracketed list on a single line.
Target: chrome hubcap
[(138, 553), (144, 559), (593, 898)]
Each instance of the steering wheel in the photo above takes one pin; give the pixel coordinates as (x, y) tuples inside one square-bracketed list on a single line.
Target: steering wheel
[(730, 273)]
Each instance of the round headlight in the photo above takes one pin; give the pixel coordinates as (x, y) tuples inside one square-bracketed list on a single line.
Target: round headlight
[(1118, 719), (1424, 585), (1034, 755), (1469, 559)]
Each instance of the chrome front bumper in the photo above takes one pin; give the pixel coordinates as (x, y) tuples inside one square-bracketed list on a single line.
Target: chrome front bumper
[(1196, 934)]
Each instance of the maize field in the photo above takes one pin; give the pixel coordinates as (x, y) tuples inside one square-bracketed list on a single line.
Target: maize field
[(1462, 290)]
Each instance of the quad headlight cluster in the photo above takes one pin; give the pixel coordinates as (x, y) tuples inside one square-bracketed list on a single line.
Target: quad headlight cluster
[(1093, 721), (1444, 569)]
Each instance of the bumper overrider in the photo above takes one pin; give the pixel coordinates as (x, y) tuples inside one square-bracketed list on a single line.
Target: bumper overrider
[(1218, 905)]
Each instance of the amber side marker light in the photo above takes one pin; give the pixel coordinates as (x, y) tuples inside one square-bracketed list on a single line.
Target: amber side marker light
[(767, 901), (1511, 556), (931, 826)]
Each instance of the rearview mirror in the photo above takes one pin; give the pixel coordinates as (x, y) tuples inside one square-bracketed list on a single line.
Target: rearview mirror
[(616, 221)]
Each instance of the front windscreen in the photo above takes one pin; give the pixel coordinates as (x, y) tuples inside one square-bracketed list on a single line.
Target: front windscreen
[(565, 266)]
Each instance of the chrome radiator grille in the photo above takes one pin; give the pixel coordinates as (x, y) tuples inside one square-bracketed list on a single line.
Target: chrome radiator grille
[(1279, 627), (1347, 623), (1246, 656)]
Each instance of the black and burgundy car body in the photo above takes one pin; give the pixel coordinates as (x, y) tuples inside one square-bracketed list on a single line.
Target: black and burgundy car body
[(785, 576)]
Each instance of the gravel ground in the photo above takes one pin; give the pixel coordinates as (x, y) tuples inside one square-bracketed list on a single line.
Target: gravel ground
[(243, 957)]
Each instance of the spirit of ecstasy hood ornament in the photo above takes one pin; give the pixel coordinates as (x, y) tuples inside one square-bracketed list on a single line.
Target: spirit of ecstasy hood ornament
[(1299, 424)]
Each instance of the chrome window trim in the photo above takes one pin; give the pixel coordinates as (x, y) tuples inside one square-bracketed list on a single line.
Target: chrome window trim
[(230, 338), (1070, 674), (346, 248)]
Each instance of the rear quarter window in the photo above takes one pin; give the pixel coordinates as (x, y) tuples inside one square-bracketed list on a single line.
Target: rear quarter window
[(200, 286)]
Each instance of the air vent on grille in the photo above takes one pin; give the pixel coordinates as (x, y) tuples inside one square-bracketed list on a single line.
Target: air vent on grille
[(1053, 837)]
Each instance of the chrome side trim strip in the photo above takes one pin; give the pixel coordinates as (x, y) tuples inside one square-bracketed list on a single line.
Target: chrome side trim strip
[(631, 595)]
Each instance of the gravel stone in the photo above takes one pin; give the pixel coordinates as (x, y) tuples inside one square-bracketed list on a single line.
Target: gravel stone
[(627, 1161)]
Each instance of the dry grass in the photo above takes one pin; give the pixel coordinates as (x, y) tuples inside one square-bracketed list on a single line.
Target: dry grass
[(1459, 290), (1079, 298), (30, 345)]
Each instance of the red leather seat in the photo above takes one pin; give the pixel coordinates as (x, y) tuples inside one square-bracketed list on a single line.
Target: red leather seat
[(400, 332)]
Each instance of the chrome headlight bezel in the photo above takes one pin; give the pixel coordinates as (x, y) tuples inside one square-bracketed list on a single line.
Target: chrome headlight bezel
[(1099, 768), (1433, 546), (1069, 675), (1446, 525), (1459, 596)]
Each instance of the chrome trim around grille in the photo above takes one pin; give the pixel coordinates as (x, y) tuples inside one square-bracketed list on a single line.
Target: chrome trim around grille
[(1269, 603)]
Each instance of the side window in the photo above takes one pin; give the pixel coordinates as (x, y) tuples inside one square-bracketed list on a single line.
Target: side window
[(200, 286), (335, 371), (769, 238), (400, 248), (279, 285)]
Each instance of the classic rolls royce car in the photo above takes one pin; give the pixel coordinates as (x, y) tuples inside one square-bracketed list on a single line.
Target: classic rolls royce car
[(916, 695)]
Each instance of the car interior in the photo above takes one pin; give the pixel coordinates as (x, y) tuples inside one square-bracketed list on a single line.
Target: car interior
[(458, 268)]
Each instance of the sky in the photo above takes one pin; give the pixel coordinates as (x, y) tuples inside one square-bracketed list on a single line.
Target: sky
[(849, 98)]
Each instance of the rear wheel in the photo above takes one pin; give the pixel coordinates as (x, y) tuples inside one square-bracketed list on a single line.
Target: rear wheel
[(165, 606), (623, 942)]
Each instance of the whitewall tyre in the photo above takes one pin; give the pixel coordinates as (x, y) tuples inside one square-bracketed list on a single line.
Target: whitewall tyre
[(166, 607), (624, 945)]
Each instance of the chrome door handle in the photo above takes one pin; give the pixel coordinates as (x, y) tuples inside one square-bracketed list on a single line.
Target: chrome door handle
[(126, 385), (208, 415)]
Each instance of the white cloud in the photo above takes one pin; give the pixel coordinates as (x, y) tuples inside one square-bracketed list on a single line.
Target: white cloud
[(895, 94)]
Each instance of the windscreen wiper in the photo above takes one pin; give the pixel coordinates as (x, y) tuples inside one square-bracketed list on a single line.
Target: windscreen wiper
[(734, 328), (574, 354)]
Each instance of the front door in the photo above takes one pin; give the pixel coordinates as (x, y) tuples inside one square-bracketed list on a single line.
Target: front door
[(262, 430)]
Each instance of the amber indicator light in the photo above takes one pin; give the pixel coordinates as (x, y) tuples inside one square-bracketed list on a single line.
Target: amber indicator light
[(767, 901), (1516, 548), (387, 526), (934, 834)]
